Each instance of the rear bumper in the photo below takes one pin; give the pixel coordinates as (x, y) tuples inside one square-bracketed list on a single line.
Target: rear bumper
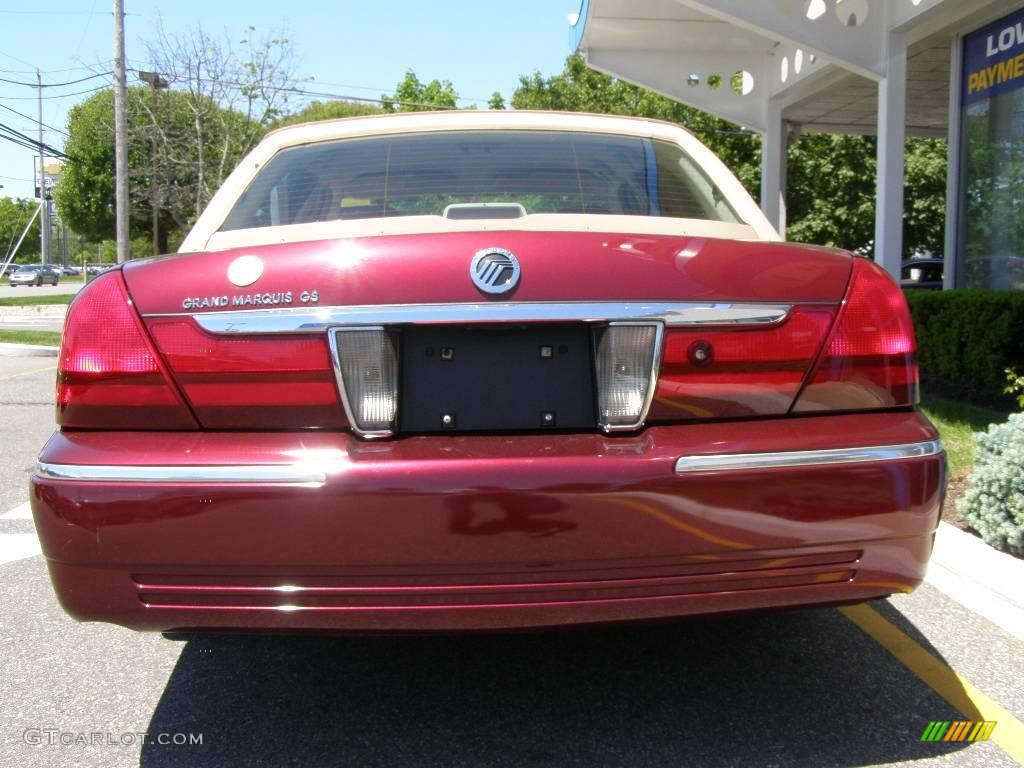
[(164, 531)]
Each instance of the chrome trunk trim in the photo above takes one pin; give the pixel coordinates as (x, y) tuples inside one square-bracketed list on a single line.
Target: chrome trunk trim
[(744, 461), (318, 319)]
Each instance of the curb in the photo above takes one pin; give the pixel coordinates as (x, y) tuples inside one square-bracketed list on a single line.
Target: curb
[(27, 350), (33, 310), (982, 579)]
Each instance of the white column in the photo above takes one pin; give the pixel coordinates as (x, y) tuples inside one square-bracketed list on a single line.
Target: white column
[(774, 143), (892, 122), (952, 245)]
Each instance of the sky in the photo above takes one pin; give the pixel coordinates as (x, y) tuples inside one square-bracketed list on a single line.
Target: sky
[(348, 48)]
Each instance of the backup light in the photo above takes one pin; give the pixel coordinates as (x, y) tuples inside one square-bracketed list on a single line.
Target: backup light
[(627, 360), (366, 366)]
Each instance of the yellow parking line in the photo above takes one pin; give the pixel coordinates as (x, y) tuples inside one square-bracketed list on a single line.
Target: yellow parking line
[(29, 373), (937, 675)]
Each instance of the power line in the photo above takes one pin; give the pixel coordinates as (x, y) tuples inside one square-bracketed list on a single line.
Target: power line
[(340, 96), (85, 30), (15, 58), (17, 137), (382, 90), (34, 120), (62, 13), (60, 96), (79, 68), (56, 85), (17, 142)]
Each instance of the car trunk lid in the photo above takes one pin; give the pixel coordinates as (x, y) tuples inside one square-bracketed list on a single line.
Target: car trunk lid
[(199, 309)]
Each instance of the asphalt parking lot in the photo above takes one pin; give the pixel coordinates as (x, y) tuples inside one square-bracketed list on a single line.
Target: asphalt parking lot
[(65, 286), (826, 687)]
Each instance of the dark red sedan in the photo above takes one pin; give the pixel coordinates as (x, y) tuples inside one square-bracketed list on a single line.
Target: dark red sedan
[(468, 370)]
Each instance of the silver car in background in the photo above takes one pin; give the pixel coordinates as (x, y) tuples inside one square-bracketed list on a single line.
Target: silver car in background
[(34, 274)]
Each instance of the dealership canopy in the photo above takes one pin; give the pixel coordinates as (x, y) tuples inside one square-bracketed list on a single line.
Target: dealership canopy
[(889, 68)]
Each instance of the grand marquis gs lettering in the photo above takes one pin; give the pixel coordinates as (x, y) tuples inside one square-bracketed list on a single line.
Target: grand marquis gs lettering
[(248, 300)]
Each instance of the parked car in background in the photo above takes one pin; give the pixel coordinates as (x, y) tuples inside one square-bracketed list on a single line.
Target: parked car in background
[(922, 273), (481, 370), (35, 274), (71, 271), (6, 271)]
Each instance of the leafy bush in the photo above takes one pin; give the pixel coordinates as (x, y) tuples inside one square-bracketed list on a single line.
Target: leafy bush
[(1015, 385), (966, 339), (994, 503)]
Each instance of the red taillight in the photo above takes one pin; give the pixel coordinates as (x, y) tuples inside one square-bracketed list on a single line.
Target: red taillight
[(109, 376), (870, 360), (733, 373), (268, 382)]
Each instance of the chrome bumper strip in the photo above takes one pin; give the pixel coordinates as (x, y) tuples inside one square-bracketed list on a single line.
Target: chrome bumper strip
[(741, 461), (273, 474), (317, 319), (303, 474)]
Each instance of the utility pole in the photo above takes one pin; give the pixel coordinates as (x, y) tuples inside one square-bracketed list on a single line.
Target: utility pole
[(44, 222), (156, 83), (120, 135)]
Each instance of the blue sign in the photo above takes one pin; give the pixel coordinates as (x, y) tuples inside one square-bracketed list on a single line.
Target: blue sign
[(994, 59)]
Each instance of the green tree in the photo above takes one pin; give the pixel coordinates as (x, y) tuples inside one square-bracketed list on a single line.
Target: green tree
[(412, 95), (578, 88), (328, 110), (924, 205), (830, 190), (233, 93), (182, 142), (14, 215), (831, 179), (162, 157), (497, 101), (85, 193), (831, 186)]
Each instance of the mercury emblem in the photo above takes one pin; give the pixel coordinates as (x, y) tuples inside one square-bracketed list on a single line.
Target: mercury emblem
[(494, 270)]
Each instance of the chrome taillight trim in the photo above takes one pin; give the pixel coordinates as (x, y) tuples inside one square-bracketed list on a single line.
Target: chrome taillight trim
[(318, 319), (652, 383), (339, 377), (777, 460), (273, 474)]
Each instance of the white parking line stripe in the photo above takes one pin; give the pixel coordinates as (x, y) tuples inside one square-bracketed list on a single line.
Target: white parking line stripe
[(20, 512), (18, 546)]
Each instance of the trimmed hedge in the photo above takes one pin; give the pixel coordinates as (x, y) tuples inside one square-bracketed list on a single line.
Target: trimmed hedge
[(967, 338)]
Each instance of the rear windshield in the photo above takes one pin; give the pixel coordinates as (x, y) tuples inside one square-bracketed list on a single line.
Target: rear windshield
[(425, 173)]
